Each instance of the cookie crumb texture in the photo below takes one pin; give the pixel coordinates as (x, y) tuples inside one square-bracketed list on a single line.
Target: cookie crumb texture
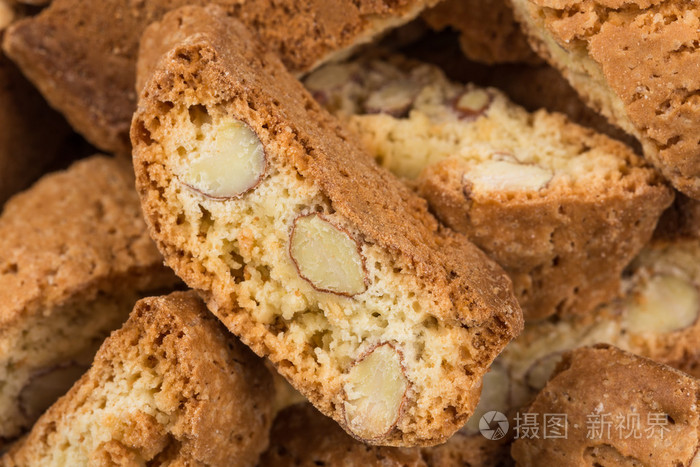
[(417, 306), (596, 380), (172, 386), (75, 256), (638, 63), (561, 208)]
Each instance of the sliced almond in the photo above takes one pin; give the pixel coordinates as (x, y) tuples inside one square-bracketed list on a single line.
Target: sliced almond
[(395, 98), (504, 175), (664, 303), (326, 256), (229, 165), (473, 103), (375, 392)]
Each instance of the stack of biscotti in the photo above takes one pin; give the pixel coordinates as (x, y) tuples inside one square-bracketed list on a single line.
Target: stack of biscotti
[(316, 257), (421, 266), (561, 208), (74, 258), (83, 59), (171, 387)]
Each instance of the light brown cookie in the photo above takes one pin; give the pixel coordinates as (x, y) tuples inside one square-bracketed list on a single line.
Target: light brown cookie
[(488, 32), (637, 63), (74, 258), (561, 208), (621, 409), (171, 387), (312, 254), (83, 59)]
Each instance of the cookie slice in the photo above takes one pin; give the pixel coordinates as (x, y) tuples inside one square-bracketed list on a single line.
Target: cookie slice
[(488, 32), (171, 387), (561, 208), (620, 409), (312, 254), (83, 59), (74, 258), (637, 65)]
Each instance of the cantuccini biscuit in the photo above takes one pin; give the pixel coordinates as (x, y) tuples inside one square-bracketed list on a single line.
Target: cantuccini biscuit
[(647, 413), (561, 208), (74, 258), (312, 254), (638, 63), (488, 32), (171, 387), (83, 59)]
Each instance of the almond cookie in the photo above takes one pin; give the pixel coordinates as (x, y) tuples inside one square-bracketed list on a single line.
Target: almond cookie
[(311, 253), (656, 317), (561, 208), (488, 32), (83, 59), (638, 64), (620, 409), (171, 387), (74, 258)]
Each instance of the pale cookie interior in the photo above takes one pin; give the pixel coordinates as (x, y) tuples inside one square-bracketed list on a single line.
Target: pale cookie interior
[(503, 147)]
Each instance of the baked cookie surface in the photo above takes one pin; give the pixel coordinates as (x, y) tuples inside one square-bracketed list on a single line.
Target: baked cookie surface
[(313, 255), (171, 387), (606, 384), (561, 208), (75, 256), (83, 60), (636, 62)]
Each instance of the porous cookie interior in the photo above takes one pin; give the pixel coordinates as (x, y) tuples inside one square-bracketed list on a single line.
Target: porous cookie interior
[(315, 337), (42, 347), (412, 117)]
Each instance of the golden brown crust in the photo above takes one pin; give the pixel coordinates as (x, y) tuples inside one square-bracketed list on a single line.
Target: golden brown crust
[(98, 240), (32, 134), (648, 61), (213, 400), (75, 256), (84, 61), (565, 253), (596, 380), (468, 290), (488, 32)]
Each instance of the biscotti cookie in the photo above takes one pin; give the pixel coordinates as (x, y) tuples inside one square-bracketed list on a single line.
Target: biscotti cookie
[(171, 387), (306, 249), (637, 64), (83, 59), (488, 32), (561, 208), (74, 258), (614, 408)]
